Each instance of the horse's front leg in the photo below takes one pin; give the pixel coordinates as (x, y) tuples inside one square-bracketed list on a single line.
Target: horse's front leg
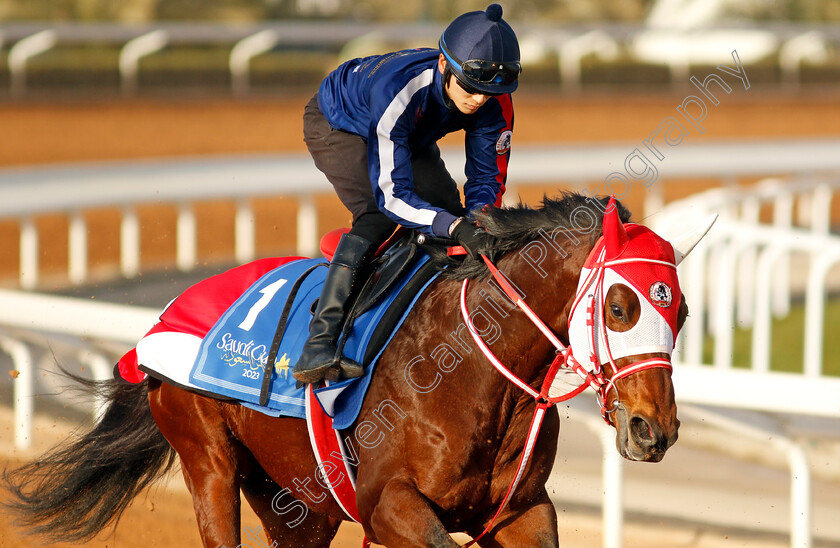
[(402, 517), (534, 526)]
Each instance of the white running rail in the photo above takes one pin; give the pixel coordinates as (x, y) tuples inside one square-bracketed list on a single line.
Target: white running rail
[(745, 273), (100, 331), (27, 193), (772, 244)]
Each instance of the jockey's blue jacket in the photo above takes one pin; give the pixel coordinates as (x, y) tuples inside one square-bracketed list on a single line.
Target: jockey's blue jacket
[(395, 103)]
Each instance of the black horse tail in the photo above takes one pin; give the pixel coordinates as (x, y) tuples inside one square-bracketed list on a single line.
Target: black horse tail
[(87, 481)]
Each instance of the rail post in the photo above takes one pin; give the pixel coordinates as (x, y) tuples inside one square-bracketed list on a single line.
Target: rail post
[(133, 51), (241, 55), (22, 52), (24, 390)]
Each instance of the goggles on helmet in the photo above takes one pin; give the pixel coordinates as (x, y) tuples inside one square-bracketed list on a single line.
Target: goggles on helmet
[(469, 89), (483, 71)]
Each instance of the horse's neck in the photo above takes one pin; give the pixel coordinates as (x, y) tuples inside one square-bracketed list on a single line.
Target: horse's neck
[(520, 345), (548, 287)]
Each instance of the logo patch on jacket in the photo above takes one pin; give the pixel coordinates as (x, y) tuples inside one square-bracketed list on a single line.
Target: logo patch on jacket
[(503, 143)]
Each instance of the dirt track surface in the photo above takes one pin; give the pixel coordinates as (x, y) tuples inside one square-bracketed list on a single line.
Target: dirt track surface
[(39, 133)]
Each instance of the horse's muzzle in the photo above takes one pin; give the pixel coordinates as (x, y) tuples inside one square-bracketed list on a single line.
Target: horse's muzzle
[(641, 439)]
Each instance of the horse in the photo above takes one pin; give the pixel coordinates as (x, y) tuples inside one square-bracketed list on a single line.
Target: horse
[(440, 437)]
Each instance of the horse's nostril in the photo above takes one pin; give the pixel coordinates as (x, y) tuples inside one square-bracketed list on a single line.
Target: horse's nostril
[(641, 431)]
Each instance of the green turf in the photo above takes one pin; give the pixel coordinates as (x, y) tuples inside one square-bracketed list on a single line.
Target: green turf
[(787, 345)]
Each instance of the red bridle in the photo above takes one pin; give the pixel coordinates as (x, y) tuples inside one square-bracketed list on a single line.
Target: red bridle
[(594, 378)]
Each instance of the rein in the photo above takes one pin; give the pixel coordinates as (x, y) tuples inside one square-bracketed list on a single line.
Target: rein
[(593, 378)]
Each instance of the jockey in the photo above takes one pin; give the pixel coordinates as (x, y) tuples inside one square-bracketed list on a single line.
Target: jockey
[(373, 128)]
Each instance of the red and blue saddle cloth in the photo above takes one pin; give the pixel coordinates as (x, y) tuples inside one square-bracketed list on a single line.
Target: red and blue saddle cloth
[(215, 338)]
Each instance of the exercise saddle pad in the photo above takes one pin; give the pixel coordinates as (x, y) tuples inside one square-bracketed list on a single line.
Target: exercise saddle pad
[(229, 359)]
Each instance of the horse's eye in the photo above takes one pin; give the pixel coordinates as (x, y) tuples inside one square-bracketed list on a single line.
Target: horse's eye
[(616, 312)]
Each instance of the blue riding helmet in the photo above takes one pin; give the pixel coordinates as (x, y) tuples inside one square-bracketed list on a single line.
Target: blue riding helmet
[(482, 51)]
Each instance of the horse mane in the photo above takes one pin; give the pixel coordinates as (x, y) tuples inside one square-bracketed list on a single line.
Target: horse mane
[(515, 226)]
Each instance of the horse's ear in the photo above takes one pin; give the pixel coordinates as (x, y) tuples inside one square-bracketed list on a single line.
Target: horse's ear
[(615, 237), (685, 243)]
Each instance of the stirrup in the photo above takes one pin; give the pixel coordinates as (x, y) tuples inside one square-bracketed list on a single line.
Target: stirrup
[(350, 369), (315, 374), (330, 372)]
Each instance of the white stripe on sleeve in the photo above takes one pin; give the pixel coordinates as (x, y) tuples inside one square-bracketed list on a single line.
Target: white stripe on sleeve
[(386, 151)]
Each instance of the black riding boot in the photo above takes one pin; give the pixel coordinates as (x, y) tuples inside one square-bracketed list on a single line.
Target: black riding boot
[(319, 352)]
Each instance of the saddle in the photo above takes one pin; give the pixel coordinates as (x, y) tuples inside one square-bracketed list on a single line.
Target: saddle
[(393, 260)]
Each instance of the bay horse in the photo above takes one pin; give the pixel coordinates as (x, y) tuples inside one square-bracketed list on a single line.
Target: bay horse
[(440, 434)]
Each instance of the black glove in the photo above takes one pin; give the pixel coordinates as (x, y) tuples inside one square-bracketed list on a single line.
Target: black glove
[(473, 238)]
